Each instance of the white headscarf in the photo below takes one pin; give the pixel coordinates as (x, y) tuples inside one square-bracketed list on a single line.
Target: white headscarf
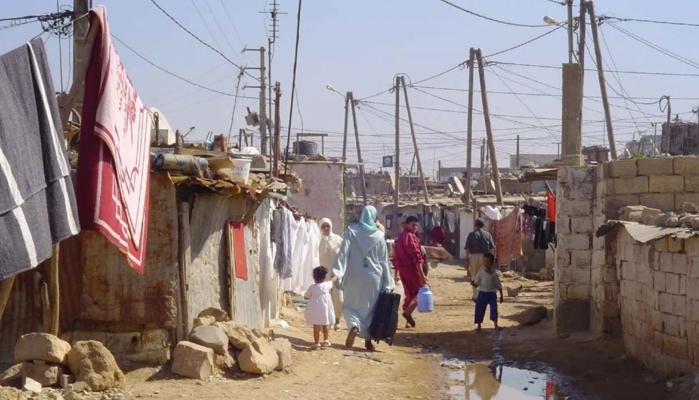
[(329, 246)]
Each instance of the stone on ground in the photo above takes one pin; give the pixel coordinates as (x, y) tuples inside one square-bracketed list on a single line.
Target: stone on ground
[(210, 336), (41, 346), (283, 348), (65, 380), (10, 393), (31, 385), (220, 315), (239, 335), (224, 362), (689, 207), (46, 374), (11, 375), (258, 358), (203, 321), (530, 316), (192, 360), (94, 364)]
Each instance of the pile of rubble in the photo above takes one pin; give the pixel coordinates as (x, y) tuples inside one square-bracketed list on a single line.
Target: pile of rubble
[(689, 218), (217, 343), (45, 361)]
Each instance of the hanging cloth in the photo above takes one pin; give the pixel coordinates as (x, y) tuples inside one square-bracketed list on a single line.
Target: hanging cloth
[(550, 206), (503, 232)]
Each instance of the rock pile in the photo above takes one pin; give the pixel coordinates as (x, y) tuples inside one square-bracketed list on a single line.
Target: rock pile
[(45, 361), (217, 343), (688, 218)]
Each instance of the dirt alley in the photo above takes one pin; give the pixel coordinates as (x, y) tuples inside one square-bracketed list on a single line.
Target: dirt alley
[(582, 367)]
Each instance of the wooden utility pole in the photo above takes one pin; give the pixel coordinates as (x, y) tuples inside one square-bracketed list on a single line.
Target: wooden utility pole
[(581, 56), (489, 130), (517, 157), (412, 133), (395, 227), (277, 127), (344, 137), (263, 105), (602, 81), (485, 187), (359, 149), (80, 29), (469, 123)]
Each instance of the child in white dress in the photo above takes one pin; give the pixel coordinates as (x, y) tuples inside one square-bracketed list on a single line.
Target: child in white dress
[(319, 307)]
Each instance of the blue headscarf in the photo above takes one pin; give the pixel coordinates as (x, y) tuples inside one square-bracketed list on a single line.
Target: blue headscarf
[(368, 219)]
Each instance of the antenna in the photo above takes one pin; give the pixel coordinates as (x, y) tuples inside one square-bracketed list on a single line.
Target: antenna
[(274, 13)]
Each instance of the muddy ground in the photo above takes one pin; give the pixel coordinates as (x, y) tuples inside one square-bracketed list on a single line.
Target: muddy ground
[(579, 366)]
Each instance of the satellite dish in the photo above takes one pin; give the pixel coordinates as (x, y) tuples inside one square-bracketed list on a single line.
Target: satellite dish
[(165, 134)]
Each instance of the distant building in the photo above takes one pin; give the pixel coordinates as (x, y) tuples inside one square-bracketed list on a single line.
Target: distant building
[(596, 153), (645, 145), (683, 138), (532, 160)]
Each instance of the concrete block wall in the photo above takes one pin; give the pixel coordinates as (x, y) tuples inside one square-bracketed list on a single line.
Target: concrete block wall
[(659, 301), (663, 183)]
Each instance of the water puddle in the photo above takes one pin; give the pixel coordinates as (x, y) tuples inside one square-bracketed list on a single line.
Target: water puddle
[(488, 382)]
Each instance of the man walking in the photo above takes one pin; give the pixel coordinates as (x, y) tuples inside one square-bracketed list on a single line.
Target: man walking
[(408, 261), (478, 243)]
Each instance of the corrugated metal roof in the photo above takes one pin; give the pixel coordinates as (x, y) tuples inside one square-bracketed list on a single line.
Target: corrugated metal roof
[(645, 233)]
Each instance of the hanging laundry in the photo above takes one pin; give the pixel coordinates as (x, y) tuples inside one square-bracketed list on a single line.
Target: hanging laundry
[(503, 232), (450, 216), (37, 202), (114, 160), (267, 276), (492, 213), (285, 243), (550, 206)]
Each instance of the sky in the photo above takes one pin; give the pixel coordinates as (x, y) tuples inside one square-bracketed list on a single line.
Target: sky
[(361, 45)]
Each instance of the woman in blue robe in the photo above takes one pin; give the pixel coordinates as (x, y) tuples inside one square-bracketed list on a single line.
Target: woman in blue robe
[(363, 272)]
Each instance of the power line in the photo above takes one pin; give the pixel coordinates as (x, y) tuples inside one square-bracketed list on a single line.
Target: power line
[(225, 37), (293, 83), (200, 40), (592, 70), (492, 19), (524, 43), (139, 55), (649, 21)]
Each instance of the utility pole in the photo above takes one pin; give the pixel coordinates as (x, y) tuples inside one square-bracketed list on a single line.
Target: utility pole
[(263, 100), (665, 139), (602, 81), (412, 133), (489, 130), (277, 127), (469, 123), (359, 149), (581, 57), (274, 35), (80, 28), (518, 166), (485, 187), (344, 137), (570, 31), (395, 227)]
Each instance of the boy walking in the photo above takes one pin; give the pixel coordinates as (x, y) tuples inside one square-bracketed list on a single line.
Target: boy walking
[(488, 283)]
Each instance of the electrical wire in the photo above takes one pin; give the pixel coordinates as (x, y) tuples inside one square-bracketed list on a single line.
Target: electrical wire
[(293, 86), (593, 70), (139, 55), (649, 21), (524, 43), (200, 40), (218, 24), (492, 19), (235, 104)]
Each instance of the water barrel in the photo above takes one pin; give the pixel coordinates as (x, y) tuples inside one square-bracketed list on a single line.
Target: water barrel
[(306, 148), (425, 299)]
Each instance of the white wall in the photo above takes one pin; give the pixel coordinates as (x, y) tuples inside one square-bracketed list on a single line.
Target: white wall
[(321, 192)]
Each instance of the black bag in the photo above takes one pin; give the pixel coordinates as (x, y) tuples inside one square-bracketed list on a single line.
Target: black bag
[(385, 322)]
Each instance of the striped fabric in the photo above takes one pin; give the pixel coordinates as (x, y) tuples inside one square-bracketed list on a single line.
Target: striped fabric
[(37, 201)]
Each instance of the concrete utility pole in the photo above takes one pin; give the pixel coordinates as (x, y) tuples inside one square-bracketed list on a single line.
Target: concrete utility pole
[(570, 31), (517, 158), (263, 101), (581, 57), (344, 137), (359, 149), (395, 227), (469, 128), (665, 139), (277, 127), (412, 133), (602, 81), (485, 187), (489, 130), (80, 28)]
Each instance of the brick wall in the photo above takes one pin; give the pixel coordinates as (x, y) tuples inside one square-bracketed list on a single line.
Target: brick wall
[(663, 183), (659, 301)]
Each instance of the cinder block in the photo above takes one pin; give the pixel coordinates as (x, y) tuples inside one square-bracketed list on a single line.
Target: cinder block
[(638, 184), (659, 280), (562, 224), (683, 285), (623, 168), (614, 203), (599, 258), (663, 201), (693, 268), (580, 225), (644, 275), (661, 245), (573, 208), (679, 263), (685, 197), (672, 283), (675, 346), (576, 241), (581, 292), (675, 245), (666, 303), (694, 311), (581, 258), (691, 183), (666, 262), (686, 165), (680, 305), (691, 246), (581, 276), (596, 277), (562, 260), (666, 184), (655, 166)]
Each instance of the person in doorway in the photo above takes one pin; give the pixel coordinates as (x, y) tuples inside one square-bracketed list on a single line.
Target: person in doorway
[(319, 308), (488, 283), (408, 260), (362, 270), (328, 249), (438, 235), (478, 243)]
